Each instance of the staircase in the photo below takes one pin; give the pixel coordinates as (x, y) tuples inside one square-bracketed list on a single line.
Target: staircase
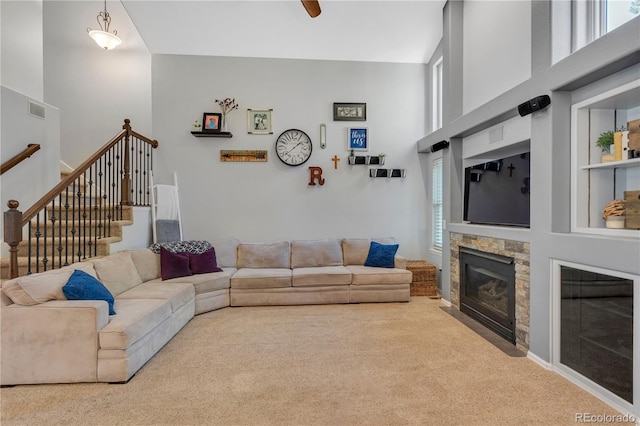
[(87, 233), (85, 213)]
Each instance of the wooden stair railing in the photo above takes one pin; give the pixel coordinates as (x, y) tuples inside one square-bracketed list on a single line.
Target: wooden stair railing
[(26, 153), (65, 225)]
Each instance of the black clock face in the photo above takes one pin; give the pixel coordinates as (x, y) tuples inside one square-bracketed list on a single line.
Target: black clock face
[(293, 147)]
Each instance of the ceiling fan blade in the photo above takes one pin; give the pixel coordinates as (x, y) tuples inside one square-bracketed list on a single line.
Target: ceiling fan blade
[(312, 6)]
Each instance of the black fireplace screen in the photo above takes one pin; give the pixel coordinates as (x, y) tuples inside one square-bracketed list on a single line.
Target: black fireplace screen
[(487, 290)]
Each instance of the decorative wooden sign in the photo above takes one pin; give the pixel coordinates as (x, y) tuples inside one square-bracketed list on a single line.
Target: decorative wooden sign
[(236, 155)]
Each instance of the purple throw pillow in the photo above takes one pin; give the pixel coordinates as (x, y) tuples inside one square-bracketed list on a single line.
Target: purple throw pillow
[(204, 262), (174, 265)]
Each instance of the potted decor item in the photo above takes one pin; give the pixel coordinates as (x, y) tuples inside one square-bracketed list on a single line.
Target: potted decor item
[(613, 214), (352, 157), (197, 127), (604, 142)]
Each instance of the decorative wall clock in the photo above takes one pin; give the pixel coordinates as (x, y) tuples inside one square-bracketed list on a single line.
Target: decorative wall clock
[(293, 147)]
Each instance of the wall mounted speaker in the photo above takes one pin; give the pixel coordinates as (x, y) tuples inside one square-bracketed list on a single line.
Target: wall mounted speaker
[(533, 105), (439, 145)]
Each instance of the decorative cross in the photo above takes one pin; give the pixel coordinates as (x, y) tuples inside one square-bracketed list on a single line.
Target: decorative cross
[(511, 169), (335, 160)]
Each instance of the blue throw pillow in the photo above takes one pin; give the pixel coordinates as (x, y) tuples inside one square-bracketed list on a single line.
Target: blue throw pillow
[(82, 286), (381, 255)]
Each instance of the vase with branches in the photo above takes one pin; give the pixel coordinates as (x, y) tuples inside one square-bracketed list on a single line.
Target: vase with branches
[(226, 106)]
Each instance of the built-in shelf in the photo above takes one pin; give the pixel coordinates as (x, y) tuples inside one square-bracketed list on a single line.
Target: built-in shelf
[(594, 184), (387, 173), (634, 162), (212, 135)]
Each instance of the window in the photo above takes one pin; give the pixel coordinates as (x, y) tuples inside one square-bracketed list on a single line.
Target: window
[(436, 195), (594, 18), (436, 121)]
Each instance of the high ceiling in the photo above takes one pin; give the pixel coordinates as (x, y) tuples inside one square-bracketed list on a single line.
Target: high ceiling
[(358, 30)]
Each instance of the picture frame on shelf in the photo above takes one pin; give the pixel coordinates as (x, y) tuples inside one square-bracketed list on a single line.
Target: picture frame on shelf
[(259, 121), (358, 138), (349, 111), (211, 122)]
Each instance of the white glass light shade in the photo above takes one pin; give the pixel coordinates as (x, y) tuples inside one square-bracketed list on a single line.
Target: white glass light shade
[(104, 39)]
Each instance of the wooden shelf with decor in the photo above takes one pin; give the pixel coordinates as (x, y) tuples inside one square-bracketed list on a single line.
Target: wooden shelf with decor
[(212, 135), (424, 279)]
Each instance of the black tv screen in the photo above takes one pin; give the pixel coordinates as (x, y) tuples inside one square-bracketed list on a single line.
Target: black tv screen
[(497, 192)]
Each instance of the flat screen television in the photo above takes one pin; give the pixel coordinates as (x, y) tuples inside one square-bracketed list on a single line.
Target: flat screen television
[(497, 192)]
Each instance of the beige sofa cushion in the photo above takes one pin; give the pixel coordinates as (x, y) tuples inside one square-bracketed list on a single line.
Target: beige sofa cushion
[(321, 276), (261, 278), (44, 286), (136, 318), (204, 283), (259, 255), (309, 253), (356, 249), (117, 272), (178, 294), (226, 252), (147, 264), (367, 275)]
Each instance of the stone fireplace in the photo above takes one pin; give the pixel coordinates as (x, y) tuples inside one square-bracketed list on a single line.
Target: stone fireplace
[(515, 302)]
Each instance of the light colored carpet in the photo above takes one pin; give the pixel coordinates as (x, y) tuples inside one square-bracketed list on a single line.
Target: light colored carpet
[(369, 364)]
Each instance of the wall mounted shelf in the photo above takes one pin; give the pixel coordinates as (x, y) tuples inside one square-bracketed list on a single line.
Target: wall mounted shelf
[(366, 159), (212, 135), (391, 173)]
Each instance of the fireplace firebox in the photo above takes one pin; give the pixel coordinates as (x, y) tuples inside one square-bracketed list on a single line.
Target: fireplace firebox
[(487, 290)]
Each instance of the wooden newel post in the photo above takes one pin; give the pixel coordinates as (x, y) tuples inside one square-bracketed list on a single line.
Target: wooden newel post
[(13, 235), (126, 177)]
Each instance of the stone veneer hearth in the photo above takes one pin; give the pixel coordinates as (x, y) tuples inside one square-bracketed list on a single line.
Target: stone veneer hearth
[(519, 251)]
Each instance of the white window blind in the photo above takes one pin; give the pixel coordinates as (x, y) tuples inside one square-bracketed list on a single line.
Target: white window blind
[(437, 204)]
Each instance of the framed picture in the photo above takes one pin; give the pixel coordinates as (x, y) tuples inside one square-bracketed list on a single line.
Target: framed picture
[(358, 138), (211, 122), (259, 121), (349, 111)]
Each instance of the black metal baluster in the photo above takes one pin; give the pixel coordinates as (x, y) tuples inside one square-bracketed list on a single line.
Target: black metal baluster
[(45, 260), (73, 221), (66, 226)]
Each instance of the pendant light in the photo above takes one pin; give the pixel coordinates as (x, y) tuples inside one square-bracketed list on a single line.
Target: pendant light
[(103, 37)]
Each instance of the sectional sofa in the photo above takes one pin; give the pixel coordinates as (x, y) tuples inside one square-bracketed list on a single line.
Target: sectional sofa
[(46, 338)]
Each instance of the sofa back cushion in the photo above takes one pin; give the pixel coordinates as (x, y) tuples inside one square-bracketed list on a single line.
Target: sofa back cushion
[(226, 252), (117, 272), (44, 286), (262, 255), (311, 253), (147, 264), (356, 250)]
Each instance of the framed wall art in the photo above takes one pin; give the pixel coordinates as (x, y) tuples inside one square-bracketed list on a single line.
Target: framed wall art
[(259, 121), (211, 122), (358, 138), (349, 111)]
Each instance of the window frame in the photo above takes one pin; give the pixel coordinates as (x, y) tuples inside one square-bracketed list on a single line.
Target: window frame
[(436, 94)]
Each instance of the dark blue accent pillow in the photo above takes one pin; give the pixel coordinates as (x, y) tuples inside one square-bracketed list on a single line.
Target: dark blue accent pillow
[(82, 286), (381, 255)]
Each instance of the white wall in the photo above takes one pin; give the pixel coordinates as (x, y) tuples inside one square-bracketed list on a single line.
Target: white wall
[(270, 201), (497, 49), (94, 89), (22, 60), (33, 177)]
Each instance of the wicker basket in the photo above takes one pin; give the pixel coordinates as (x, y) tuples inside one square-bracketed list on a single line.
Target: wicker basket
[(424, 278)]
